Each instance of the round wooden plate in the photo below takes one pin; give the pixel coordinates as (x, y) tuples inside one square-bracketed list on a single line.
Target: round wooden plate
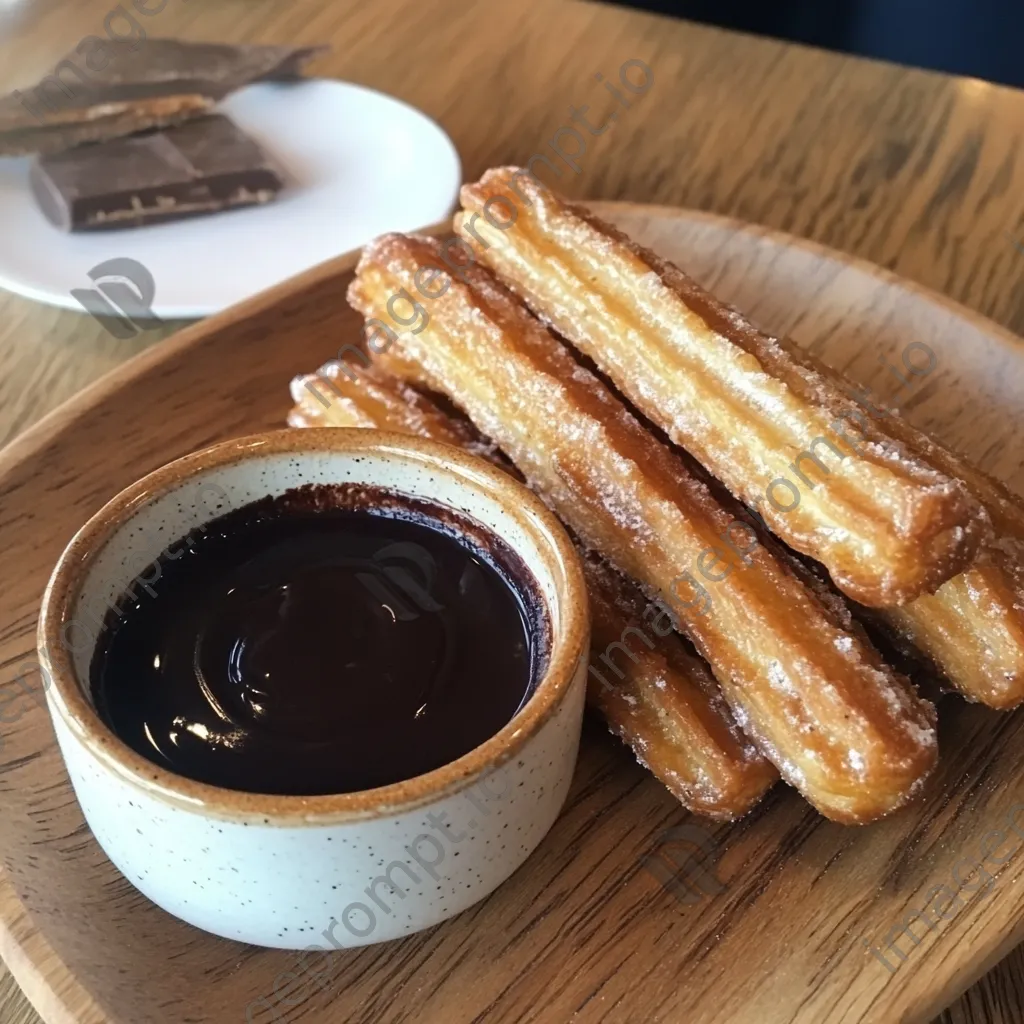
[(796, 920)]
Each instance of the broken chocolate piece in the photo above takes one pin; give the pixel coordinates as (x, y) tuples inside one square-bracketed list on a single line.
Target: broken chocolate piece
[(145, 83), (203, 166)]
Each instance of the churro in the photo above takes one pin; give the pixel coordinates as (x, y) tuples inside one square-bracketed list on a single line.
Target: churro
[(887, 525), (839, 724), (331, 397), (654, 695), (971, 629), (664, 703), (969, 634)]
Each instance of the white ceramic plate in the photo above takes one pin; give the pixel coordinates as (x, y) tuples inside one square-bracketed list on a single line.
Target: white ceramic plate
[(359, 163)]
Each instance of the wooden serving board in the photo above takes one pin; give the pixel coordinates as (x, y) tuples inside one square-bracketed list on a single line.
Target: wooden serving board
[(771, 926)]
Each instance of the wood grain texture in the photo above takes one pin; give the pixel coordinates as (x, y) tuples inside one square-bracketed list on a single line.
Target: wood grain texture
[(916, 171)]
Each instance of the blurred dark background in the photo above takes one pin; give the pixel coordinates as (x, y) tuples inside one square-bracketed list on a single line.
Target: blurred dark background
[(980, 38)]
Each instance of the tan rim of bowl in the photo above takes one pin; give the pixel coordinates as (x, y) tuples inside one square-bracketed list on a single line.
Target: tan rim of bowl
[(568, 646)]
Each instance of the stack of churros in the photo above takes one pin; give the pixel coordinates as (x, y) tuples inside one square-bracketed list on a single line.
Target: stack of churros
[(654, 692), (784, 675), (900, 523)]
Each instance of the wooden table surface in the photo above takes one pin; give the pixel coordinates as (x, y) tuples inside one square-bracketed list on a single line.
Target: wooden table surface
[(919, 172)]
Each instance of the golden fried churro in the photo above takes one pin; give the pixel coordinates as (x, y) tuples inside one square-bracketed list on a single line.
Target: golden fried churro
[(332, 398), (838, 723), (665, 704), (970, 632), (655, 696), (972, 628), (886, 525), (1004, 509)]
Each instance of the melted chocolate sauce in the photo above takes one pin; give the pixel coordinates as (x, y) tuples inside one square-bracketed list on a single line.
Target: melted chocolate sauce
[(329, 640)]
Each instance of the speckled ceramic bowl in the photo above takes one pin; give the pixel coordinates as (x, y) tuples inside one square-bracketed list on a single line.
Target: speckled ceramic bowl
[(299, 872)]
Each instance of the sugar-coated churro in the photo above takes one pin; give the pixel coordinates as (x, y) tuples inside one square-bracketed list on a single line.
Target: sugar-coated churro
[(333, 398), (1004, 509), (969, 634), (657, 697), (887, 525), (664, 702), (972, 631), (840, 725), (972, 628)]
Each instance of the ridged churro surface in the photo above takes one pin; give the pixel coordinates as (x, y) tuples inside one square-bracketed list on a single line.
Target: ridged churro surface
[(972, 628), (887, 525), (664, 702), (970, 632), (655, 696), (841, 725)]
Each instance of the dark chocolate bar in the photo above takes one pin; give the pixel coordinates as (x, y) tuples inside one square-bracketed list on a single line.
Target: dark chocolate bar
[(202, 166), (144, 83)]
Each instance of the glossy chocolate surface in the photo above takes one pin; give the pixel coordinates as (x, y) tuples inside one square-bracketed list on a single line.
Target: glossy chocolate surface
[(331, 640)]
